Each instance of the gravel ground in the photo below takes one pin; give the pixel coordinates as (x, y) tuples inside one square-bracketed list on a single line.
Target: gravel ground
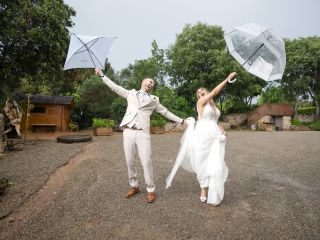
[(29, 169), (272, 192)]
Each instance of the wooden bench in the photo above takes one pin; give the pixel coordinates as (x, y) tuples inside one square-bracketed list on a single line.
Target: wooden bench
[(44, 126)]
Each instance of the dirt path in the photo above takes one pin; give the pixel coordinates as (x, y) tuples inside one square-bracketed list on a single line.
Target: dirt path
[(39, 200)]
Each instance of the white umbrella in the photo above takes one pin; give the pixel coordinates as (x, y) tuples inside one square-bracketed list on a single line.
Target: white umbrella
[(87, 51), (258, 50)]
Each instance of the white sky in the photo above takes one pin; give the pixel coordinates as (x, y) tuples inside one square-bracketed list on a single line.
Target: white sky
[(137, 23)]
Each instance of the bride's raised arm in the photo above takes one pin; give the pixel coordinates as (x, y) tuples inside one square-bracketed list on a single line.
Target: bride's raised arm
[(203, 100)]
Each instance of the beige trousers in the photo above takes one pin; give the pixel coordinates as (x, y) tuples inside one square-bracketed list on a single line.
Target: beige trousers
[(140, 140)]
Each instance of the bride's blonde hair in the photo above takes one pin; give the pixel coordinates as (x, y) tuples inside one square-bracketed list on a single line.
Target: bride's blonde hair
[(199, 89), (203, 88)]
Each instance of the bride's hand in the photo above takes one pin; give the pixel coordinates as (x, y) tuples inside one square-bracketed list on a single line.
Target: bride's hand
[(232, 75)]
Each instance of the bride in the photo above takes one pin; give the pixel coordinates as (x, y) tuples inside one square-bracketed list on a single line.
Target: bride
[(203, 146)]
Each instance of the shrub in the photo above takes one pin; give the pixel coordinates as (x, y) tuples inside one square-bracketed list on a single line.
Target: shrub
[(297, 122), (99, 122), (158, 122), (118, 109), (315, 125), (307, 110), (73, 126)]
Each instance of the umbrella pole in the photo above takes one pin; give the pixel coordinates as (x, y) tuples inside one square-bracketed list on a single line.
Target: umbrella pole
[(88, 50), (253, 54), (232, 81)]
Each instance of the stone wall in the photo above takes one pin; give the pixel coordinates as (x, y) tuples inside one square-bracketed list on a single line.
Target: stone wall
[(173, 127), (286, 124), (225, 125), (265, 123), (236, 119), (305, 118)]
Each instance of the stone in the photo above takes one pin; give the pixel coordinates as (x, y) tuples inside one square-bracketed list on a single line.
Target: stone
[(225, 125)]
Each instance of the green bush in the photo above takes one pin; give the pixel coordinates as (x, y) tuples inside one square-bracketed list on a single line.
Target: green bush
[(297, 122), (315, 125), (118, 109), (73, 126), (307, 110), (94, 100), (99, 122), (158, 122)]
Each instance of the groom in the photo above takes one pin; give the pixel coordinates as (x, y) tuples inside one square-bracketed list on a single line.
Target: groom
[(141, 104)]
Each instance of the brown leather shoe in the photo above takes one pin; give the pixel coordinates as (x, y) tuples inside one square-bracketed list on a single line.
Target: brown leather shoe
[(132, 191), (151, 196)]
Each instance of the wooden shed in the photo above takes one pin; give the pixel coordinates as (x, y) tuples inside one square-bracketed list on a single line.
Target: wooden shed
[(47, 113)]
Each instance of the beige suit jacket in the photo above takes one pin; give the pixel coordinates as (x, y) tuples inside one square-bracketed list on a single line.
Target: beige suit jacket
[(141, 112)]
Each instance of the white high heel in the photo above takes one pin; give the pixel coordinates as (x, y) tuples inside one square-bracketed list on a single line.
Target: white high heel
[(203, 192), (203, 199)]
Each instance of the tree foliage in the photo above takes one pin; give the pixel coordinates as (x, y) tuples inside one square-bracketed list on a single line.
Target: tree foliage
[(302, 74), (194, 57), (33, 43), (176, 104), (95, 101), (274, 94), (152, 67)]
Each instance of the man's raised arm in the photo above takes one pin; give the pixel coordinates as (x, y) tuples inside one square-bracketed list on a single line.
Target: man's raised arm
[(114, 87), (167, 114)]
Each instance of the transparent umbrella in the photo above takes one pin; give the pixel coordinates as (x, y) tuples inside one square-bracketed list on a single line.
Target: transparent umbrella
[(87, 51), (258, 50)]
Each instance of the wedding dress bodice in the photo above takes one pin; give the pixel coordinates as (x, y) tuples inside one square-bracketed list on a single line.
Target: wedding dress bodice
[(210, 113)]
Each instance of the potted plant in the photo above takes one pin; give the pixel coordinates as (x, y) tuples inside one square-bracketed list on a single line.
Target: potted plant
[(102, 127), (157, 125), (73, 127)]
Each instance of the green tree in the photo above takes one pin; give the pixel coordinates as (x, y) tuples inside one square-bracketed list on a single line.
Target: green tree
[(194, 57), (199, 58), (132, 75), (153, 67), (302, 74), (33, 43), (159, 62), (118, 109), (274, 94), (176, 104), (95, 101)]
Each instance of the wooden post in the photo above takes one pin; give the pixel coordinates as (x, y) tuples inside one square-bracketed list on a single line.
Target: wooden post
[(27, 116)]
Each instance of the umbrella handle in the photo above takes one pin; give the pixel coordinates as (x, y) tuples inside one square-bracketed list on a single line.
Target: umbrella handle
[(232, 81)]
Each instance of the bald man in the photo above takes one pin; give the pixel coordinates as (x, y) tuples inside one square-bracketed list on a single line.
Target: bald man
[(136, 121)]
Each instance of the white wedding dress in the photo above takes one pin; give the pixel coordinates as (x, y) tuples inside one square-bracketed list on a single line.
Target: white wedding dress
[(202, 151)]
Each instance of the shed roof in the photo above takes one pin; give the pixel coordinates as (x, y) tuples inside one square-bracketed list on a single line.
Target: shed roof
[(60, 100)]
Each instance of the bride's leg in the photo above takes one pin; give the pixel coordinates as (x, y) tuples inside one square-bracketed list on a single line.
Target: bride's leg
[(204, 194), (204, 183)]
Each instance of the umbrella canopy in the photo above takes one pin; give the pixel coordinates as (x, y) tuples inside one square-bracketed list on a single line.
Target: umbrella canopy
[(87, 51), (258, 50)]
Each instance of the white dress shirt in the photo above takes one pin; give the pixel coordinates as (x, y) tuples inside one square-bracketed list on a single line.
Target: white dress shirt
[(142, 97)]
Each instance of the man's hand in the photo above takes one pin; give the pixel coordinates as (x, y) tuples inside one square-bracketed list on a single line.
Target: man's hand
[(187, 121), (185, 124), (98, 72)]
